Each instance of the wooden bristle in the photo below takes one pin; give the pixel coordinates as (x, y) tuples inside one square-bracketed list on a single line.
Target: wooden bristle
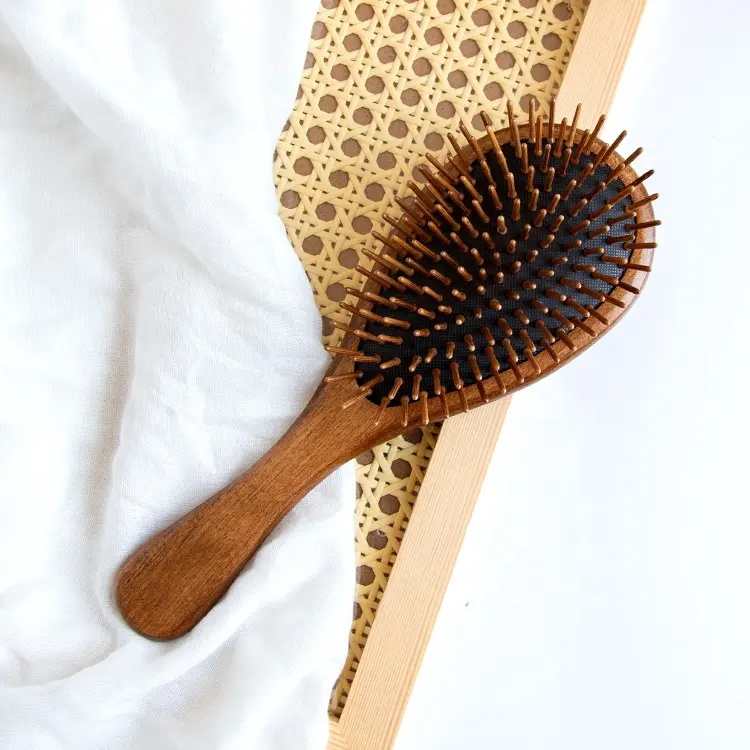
[(561, 138), (551, 121), (594, 134), (545, 158), (579, 207), (539, 130), (355, 399), (415, 386), (495, 198), (510, 183), (390, 363), (530, 179), (515, 138), (549, 178), (533, 199), (607, 152), (569, 188), (404, 411), (578, 151), (566, 161), (346, 376)]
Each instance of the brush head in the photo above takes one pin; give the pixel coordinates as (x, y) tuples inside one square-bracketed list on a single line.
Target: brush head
[(517, 253)]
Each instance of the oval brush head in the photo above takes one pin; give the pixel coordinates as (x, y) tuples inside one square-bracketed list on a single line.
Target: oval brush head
[(515, 255)]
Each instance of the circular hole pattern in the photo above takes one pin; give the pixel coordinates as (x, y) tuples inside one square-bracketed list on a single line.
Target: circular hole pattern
[(386, 160), (476, 122), (362, 116), (469, 48), (481, 17), (493, 91), (389, 504), (445, 109), (551, 41), (361, 225), (516, 29), (340, 72), (377, 539), (348, 259), (413, 436), (528, 3), (319, 30), (434, 141), (336, 293), (290, 199), (374, 84), (457, 79), (540, 72), (312, 245), (398, 24), (330, 4), (410, 97), (366, 458), (375, 192), (365, 575), (356, 611), (401, 468), (351, 147), (328, 327), (386, 55), (562, 11), (316, 134), (325, 212), (327, 103), (338, 178), (398, 129), (303, 166), (505, 61), (364, 12), (309, 60), (352, 42), (433, 36), (416, 173), (446, 6), (421, 66)]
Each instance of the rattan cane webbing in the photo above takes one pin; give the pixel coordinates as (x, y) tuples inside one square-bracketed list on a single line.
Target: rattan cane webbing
[(384, 82)]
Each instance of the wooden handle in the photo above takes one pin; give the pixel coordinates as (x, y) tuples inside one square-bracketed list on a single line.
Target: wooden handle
[(167, 585)]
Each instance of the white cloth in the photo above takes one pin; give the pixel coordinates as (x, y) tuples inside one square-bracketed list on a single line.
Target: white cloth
[(158, 335)]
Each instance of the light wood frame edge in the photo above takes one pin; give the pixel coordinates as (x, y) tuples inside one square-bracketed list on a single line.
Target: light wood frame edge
[(399, 636)]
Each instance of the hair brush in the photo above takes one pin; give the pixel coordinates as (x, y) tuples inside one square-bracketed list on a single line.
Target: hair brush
[(513, 257)]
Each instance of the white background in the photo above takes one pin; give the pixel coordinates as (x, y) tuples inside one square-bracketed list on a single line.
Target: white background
[(601, 600)]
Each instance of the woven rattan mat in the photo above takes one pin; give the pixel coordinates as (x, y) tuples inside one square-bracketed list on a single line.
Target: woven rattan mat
[(384, 82)]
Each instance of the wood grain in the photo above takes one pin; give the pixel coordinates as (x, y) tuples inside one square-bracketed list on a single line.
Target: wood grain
[(336, 740), (598, 57), (399, 635), (425, 561)]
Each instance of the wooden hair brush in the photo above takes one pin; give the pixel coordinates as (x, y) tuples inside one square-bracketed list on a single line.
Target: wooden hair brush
[(518, 252)]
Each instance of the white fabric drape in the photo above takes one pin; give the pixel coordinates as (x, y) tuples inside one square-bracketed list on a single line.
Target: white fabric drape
[(158, 335)]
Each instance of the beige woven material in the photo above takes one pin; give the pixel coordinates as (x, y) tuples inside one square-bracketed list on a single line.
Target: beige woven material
[(384, 82)]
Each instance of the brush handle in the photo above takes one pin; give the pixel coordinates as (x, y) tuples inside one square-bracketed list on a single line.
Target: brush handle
[(168, 584)]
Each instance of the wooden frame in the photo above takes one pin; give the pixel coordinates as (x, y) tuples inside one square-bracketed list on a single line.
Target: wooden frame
[(399, 636)]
